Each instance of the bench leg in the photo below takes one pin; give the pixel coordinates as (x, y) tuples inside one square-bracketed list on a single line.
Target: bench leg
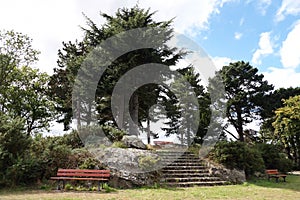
[(58, 185), (99, 186)]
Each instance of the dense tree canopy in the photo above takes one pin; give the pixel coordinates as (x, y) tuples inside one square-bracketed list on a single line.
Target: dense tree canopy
[(273, 101), (73, 54), (245, 91), (287, 127), (25, 107)]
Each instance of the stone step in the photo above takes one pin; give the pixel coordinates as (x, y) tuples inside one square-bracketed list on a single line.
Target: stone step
[(175, 153), (182, 167), (185, 164), (191, 179), (191, 184), (183, 161), (178, 157), (187, 171), (184, 175)]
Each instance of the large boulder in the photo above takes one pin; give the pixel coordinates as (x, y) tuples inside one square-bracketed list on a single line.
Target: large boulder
[(96, 141), (132, 141), (234, 176), (130, 167)]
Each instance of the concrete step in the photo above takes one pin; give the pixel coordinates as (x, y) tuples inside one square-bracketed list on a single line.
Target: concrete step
[(191, 179), (184, 164), (184, 175), (176, 167), (187, 171), (191, 184), (184, 169)]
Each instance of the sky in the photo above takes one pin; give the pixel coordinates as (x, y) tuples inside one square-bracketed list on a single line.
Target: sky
[(265, 33)]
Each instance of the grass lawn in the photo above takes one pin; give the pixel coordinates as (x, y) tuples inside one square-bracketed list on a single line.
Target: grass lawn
[(257, 189)]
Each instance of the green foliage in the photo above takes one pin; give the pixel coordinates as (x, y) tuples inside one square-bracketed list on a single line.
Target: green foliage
[(274, 100), (245, 93), (107, 188), (72, 55), (68, 186), (119, 144), (89, 163), (195, 149), (14, 144), (193, 98), (287, 127), (114, 134), (238, 155), (23, 91), (71, 139), (273, 158)]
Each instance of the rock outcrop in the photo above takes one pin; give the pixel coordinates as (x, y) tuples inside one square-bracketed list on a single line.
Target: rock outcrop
[(129, 167), (132, 141), (233, 176)]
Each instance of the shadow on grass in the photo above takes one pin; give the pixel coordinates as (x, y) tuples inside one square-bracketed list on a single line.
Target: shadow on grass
[(161, 187), (292, 183)]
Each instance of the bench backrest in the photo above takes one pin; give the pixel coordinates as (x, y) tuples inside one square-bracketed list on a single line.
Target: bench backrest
[(83, 173), (272, 171)]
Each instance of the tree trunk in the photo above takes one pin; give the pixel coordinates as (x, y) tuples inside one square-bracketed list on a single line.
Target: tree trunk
[(148, 131), (78, 115), (240, 125), (133, 127), (121, 111)]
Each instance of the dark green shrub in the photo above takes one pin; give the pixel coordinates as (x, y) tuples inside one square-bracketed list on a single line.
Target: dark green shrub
[(274, 158), (238, 155)]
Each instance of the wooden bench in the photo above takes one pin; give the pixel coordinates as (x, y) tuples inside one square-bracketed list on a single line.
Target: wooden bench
[(273, 173), (63, 175)]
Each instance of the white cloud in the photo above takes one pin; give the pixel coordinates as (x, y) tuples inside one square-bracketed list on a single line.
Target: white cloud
[(265, 48), (263, 5), (289, 52), (242, 20), (50, 23), (222, 61), (238, 35), (278, 77), (288, 7)]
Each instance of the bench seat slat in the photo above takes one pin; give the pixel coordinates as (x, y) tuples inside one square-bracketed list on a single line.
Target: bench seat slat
[(79, 178), (83, 170), (83, 174)]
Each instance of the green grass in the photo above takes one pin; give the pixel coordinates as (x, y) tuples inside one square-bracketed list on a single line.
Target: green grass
[(255, 189)]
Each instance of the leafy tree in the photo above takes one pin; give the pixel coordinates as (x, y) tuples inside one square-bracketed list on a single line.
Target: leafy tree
[(25, 107), (23, 90), (245, 91), (174, 108), (273, 101), (287, 127), (73, 54)]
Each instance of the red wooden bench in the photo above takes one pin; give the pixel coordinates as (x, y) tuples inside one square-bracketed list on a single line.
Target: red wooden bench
[(273, 173), (101, 176)]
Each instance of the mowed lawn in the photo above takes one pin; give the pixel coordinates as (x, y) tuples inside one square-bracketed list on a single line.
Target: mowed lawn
[(259, 189)]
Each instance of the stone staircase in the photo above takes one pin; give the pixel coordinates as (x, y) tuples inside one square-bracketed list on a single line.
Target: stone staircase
[(184, 169)]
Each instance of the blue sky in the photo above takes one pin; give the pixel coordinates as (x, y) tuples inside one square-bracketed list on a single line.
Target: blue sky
[(264, 32)]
